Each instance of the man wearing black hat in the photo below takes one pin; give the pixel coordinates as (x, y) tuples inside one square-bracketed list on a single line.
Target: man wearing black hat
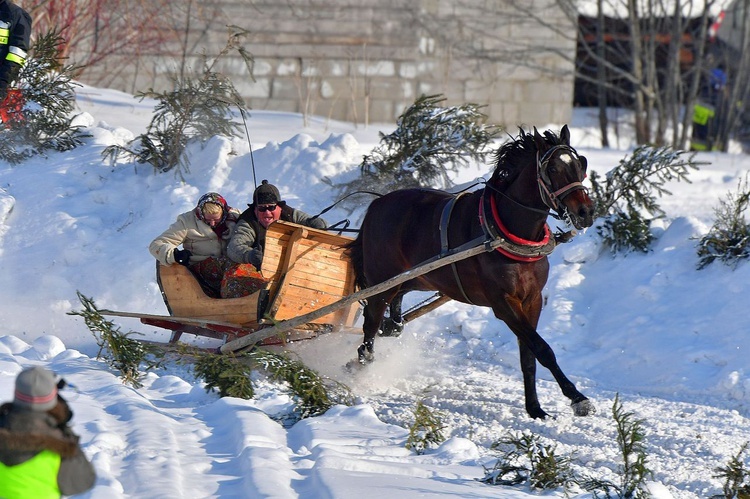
[(249, 237), (39, 453)]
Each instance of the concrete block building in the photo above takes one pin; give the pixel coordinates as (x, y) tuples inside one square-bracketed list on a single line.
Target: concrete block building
[(365, 61)]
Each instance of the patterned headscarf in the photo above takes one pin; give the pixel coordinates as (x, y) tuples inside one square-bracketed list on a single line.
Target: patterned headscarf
[(215, 198), (222, 229)]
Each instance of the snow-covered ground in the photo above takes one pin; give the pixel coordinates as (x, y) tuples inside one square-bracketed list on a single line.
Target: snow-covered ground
[(672, 341)]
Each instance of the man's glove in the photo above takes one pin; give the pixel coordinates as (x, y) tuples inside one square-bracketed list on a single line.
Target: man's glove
[(182, 257), (256, 257)]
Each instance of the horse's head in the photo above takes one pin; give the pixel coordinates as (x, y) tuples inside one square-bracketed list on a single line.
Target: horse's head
[(560, 173)]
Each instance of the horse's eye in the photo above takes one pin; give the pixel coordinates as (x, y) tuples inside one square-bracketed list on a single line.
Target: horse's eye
[(584, 163), (551, 170)]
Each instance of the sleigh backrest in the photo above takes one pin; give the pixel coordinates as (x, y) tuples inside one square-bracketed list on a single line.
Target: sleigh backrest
[(307, 269)]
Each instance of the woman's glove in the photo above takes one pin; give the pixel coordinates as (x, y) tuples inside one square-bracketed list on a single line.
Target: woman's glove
[(182, 257)]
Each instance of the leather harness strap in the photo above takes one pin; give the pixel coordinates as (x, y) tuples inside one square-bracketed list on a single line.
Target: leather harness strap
[(514, 247), (445, 218)]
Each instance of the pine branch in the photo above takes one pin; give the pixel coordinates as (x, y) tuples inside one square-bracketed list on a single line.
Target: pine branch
[(193, 112), (728, 239), (119, 350), (428, 144), (627, 198)]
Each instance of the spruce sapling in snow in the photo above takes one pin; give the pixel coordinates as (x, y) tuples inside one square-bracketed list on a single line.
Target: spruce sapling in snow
[(736, 477), (193, 112), (429, 142), (627, 196), (631, 437), (728, 240), (44, 122), (529, 460), (427, 429)]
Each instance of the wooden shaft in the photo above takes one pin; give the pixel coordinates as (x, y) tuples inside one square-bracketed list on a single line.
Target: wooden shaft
[(423, 268), (426, 308)]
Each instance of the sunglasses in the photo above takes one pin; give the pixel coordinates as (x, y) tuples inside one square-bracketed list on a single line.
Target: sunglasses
[(265, 208)]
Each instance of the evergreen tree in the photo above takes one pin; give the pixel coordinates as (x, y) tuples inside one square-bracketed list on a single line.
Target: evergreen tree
[(427, 429), (728, 240), (736, 475), (628, 195), (193, 112), (631, 439), (429, 142), (529, 460), (48, 98)]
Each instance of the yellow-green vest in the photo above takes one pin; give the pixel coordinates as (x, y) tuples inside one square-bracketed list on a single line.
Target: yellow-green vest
[(32, 479)]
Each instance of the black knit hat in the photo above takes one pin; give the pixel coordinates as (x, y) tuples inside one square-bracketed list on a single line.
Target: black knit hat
[(266, 194)]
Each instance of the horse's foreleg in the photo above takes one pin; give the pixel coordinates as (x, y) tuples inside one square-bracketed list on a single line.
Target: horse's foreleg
[(530, 341), (528, 368), (546, 357)]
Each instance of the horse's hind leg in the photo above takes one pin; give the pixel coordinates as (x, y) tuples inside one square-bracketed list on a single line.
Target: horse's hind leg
[(393, 325), (373, 317)]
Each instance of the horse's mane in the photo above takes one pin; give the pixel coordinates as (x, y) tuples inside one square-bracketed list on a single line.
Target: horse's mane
[(515, 154)]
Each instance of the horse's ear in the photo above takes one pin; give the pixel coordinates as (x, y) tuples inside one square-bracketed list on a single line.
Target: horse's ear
[(565, 135), (541, 144)]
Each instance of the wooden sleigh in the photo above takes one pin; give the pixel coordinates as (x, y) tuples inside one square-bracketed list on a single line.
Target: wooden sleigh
[(310, 290), (306, 269)]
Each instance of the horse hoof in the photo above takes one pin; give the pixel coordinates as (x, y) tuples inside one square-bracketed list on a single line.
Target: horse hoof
[(583, 408), (391, 328), (537, 413), (365, 355)]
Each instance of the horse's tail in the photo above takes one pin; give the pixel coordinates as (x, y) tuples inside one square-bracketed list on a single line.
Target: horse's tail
[(356, 254)]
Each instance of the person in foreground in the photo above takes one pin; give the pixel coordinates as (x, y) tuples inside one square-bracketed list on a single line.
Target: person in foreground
[(204, 233), (249, 238), (39, 454)]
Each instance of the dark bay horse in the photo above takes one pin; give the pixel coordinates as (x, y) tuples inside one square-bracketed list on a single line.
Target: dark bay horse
[(534, 174)]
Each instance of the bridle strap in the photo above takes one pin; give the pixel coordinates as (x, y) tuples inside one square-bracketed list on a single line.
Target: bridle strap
[(546, 212), (552, 199)]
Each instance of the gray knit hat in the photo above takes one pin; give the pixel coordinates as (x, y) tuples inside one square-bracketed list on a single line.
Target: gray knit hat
[(36, 389)]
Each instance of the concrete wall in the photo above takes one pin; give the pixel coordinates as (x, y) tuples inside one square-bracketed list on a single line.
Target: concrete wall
[(365, 61)]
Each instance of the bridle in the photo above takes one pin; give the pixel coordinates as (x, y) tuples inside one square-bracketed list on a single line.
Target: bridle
[(551, 198), (516, 248)]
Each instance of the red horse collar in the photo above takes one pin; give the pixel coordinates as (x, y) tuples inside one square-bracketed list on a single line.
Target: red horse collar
[(514, 247)]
